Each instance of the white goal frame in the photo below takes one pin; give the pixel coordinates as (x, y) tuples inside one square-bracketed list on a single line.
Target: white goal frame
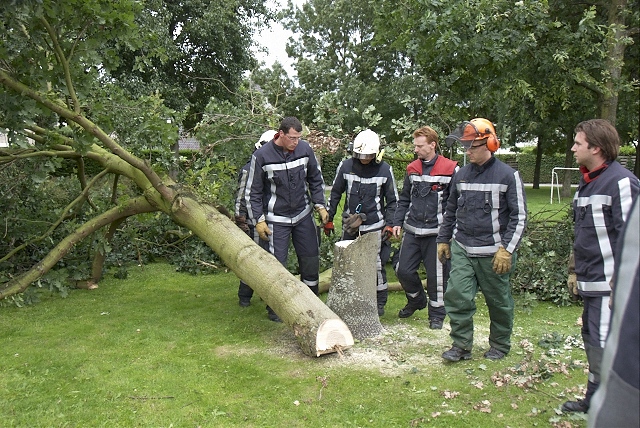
[(554, 179)]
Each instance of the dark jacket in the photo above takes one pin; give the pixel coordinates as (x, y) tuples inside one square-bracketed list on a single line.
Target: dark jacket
[(372, 186), (283, 187), (600, 210), (486, 209)]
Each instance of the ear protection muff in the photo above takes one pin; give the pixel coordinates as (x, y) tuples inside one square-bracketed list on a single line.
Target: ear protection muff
[(493, 144)]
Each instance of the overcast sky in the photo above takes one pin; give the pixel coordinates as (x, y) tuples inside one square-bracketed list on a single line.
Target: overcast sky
[(275, 39)]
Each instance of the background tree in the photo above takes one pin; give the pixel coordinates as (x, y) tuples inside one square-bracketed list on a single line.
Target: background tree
[(534, 68), (194, 50)]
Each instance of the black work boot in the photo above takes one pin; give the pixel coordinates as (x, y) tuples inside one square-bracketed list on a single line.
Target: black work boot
[(435, 324), (413, 304), (382, 296), (244, 295), (272, 315), (456, 354), (315, 289), (579, 406), (494, 354)]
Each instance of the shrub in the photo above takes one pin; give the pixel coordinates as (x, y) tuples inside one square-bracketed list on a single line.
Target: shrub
[(543, 257)]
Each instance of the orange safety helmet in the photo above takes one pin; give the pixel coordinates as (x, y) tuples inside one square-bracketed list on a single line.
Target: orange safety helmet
[(480, 129), (468, 132)]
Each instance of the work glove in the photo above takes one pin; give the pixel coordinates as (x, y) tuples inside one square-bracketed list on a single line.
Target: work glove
[(328, 228), (263, 230), (387, 233), (572, 285), (352, 223), (324, 215), (241, 222), (444, 252), (501, 261)]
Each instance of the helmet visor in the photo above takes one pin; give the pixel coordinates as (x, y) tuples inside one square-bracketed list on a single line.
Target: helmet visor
[(364, 156), (465, 134)]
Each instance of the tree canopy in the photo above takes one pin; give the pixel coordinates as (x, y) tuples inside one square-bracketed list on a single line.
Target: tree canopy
[(534, 68)]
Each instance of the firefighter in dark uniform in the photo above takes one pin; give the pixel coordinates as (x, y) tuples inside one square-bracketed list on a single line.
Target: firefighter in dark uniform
[(284, 188), (601, 205), (420, 209), (370, 204), (483, 226), (616, 403), (240, 214)]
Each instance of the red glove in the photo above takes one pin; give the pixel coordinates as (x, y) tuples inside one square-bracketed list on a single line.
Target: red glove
[(328, 228), (387, 233)]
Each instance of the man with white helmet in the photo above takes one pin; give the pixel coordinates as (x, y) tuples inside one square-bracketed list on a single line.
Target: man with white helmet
[(244, 291), (482, 227), (370, 203)]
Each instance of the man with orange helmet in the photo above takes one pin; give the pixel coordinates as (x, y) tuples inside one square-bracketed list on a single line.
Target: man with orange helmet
[(482, 227)]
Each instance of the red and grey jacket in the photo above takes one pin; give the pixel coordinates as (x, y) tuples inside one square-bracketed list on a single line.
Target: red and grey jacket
[(600, 209), (370, 189), (486, 209), (282, 186), (424, 195)]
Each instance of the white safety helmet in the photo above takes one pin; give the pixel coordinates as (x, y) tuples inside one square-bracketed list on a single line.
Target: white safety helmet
[(366, 145), (265, 138)]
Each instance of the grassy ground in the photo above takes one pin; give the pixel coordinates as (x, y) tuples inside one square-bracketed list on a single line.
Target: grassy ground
[(163, 349)]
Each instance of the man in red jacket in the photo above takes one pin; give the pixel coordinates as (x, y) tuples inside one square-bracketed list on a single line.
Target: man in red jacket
[(419, 212)]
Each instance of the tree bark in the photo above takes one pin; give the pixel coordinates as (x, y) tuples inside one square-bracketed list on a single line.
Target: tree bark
[(616, 10), (353, 285), (21, 282), (569, 162), (536, 171), (325, 282)]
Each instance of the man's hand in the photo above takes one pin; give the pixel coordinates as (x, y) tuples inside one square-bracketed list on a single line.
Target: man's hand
[(324, 215), (397, 231), (444, 252), (387, 233), (263, 230), (241, 222), (572, 285), (501, 261), (328, 228), (352, 223)]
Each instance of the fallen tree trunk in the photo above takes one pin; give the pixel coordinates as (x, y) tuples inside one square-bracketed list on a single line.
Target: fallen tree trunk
[(353, 285), (317, 329)]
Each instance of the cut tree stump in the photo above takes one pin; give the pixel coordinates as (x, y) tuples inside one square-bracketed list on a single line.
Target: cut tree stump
[(325, 282), (352, 295)]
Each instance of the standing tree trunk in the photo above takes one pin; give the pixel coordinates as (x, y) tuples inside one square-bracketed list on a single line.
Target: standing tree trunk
[(569, 162), (352, 295), (615, 58), (536, 171)]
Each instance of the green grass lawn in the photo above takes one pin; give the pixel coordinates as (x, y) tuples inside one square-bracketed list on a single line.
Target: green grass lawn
[(166, 349), (540, 207)]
